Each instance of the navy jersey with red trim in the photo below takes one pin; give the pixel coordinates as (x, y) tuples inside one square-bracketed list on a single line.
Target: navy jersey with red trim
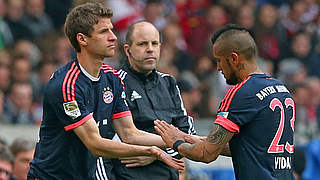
[(71, 98), (261, 111)]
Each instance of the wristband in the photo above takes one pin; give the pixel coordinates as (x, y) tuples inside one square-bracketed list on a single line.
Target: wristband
[(177, 144)]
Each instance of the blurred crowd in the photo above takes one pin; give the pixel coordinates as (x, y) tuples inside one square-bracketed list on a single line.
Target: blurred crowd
[(287, 32), (15, 159)]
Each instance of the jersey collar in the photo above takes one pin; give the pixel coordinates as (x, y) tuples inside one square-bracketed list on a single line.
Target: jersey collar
[(92, 78), (141, 76), (264, 75)]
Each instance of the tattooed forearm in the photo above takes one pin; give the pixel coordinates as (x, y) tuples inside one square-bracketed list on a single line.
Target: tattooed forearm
[(226, 151), (194, 152), (210, 149), (219, 135)]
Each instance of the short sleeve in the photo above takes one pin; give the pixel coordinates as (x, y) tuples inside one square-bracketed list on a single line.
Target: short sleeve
[(69, 106), (237, 110), (121, 107)]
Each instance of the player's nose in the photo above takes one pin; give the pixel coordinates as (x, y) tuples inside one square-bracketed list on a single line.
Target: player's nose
[(149, 47), (112, 36)]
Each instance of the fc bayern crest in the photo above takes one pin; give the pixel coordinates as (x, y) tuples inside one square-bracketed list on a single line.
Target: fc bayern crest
[(107, 95)]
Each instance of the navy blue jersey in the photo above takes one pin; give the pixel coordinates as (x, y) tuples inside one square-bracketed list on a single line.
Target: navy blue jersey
[(261, 111), (71, 98)]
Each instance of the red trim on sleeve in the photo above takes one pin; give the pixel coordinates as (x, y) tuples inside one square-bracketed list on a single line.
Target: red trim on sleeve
[(79, 123), (121, 114), (226, 123)]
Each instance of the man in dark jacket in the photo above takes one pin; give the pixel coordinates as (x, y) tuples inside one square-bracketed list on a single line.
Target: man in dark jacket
[(150, 95)]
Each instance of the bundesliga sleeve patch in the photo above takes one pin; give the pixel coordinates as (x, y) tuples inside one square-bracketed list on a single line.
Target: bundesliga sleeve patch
[(223, 114), (71, 109)]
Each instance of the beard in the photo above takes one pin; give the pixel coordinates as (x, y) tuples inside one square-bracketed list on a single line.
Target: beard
[(233, 79)]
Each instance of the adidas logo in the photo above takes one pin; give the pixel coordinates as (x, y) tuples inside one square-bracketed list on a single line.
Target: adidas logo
[(135, 96)]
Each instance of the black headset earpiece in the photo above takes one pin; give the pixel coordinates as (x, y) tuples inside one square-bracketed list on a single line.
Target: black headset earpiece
[(133, 58)]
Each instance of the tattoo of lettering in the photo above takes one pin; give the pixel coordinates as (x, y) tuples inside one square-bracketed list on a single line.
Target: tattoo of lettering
[(219, 135), (218, 138)]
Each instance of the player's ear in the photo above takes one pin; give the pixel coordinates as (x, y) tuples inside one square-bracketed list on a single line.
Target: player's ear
[(82, 39), (126, 49), (234, 57)]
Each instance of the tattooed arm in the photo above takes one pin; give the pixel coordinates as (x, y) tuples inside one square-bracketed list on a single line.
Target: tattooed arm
[(205, 151), (226, 151)]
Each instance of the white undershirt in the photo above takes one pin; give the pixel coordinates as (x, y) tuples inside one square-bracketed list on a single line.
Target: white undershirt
[(92, 78)]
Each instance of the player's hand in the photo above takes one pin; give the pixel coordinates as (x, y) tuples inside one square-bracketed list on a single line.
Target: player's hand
[(137, 161), (192, 139), (168, 132), (166, 158)]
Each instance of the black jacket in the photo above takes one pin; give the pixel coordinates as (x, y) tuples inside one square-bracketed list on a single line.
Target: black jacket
[(149, 98), (153, 97)]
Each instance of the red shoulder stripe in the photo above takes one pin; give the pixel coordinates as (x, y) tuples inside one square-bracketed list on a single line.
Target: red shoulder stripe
[(72, 75), (225, 99), (105, 66), (107, 69), (73, 84), (65, 81), (233, 93)]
